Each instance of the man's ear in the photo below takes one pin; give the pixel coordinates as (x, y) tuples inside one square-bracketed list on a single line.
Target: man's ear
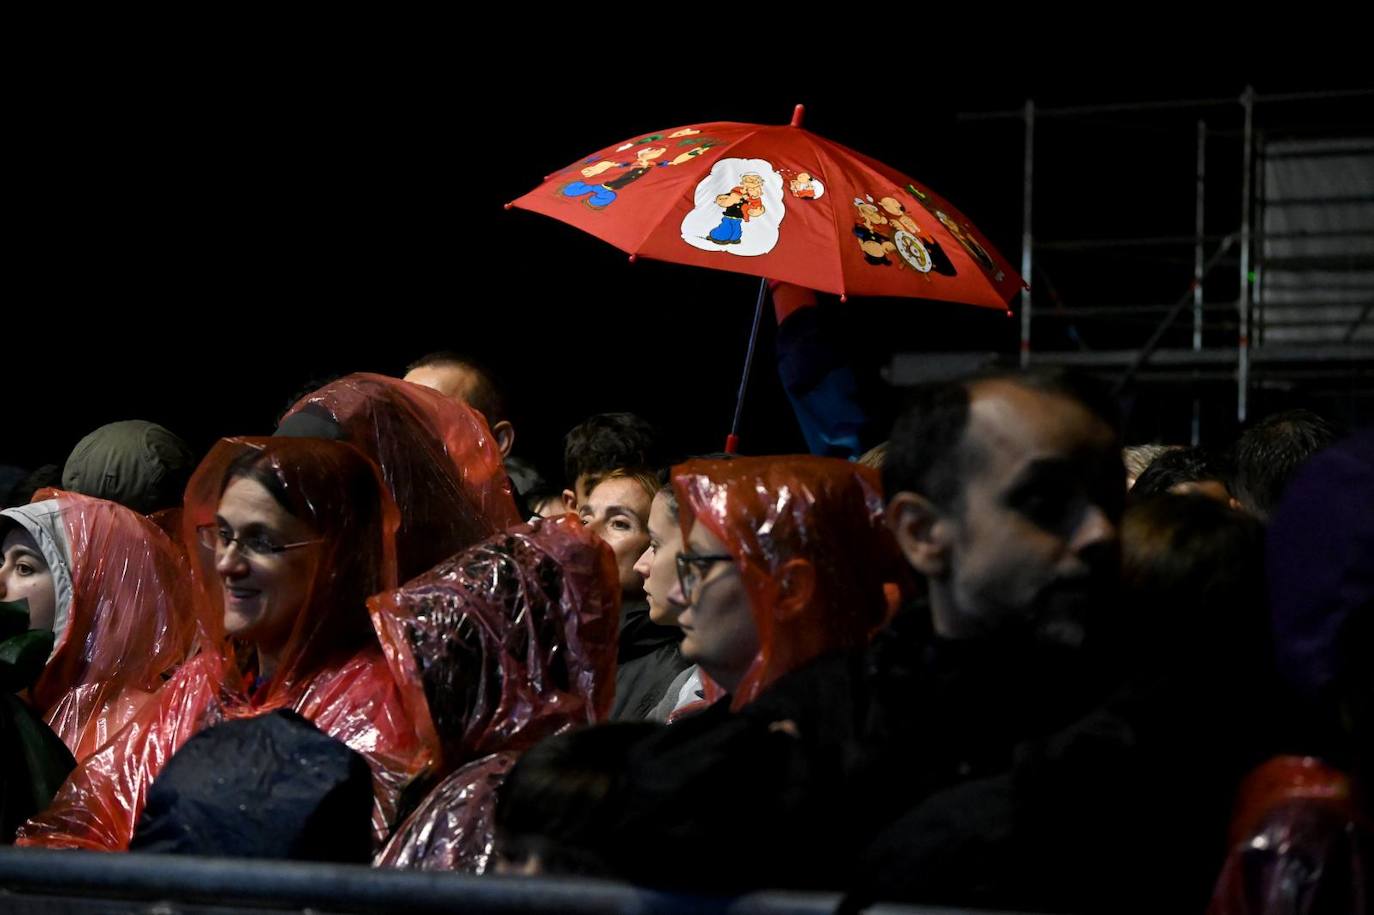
[(922, 533), (796, 587), (504, 433), (570, 500)]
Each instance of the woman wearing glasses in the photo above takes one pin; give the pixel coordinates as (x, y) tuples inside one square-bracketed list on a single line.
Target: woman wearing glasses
[(288, 538), (783, 560)]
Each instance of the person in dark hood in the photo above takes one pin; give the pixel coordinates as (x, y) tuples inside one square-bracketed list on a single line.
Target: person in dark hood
[(34, 761), (287, 537), (617, 510), (508, 642), (138, 464), (311, 795)]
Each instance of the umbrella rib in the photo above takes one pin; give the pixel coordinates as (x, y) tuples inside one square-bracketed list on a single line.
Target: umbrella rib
[(819, 146), (672, 201)]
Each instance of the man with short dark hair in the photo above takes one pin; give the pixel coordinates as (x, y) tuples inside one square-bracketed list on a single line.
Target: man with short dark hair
[(603, 443), (1002, 493), (1269, 453), (609, 461)]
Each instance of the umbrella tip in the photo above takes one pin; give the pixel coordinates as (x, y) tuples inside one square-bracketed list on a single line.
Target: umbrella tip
[(508, 206), (797, 114), (633, 258), (1010, 313), (732, 444), (843, 297)]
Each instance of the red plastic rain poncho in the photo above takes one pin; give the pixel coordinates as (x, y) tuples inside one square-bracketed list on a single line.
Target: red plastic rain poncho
[(330, 670), (1299, 844), (124, 619), (769, 511), (507, 643), (438, 458)]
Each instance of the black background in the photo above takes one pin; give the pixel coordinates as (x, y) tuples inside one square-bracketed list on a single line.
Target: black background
[(193, 240)]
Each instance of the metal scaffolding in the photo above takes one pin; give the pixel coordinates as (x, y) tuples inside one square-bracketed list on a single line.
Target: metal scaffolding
[(1248, 352)]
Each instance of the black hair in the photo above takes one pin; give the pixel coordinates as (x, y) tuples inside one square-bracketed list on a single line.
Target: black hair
[(1268, 454), (926, 452), (43, 477), (609, 441), (557, 800), (1180, 465)]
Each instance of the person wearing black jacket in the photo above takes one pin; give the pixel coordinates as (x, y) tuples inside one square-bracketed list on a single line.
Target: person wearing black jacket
[(1004, 494)]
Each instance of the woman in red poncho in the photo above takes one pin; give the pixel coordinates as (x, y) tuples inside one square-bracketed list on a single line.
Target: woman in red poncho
[(288, 538), (783, 560), (114, 591), (506, 643)]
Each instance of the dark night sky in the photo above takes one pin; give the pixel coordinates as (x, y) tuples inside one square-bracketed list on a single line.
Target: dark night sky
[(193, 246)]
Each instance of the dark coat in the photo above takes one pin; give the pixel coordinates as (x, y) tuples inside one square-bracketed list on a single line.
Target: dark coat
[(647, 663)]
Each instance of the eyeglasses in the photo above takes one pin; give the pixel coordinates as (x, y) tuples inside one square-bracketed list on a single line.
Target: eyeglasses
[(692, 566), (213, 536)]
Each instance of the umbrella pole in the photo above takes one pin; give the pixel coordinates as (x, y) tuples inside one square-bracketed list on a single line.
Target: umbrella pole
[(732, 440)]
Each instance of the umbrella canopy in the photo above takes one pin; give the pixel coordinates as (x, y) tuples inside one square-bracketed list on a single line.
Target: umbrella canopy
[(780, 202)]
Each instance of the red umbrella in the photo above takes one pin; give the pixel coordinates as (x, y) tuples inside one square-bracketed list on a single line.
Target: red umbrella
[(779, 202)]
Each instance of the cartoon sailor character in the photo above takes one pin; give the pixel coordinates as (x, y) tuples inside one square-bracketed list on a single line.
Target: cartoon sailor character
[(872, 230), (897, 216), (699, 147), (599, 196), (741, 203), (969, 242), (806, 186)]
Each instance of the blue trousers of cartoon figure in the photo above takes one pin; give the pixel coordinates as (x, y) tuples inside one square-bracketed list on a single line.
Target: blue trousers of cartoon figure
[(601, 196), (729, 230)]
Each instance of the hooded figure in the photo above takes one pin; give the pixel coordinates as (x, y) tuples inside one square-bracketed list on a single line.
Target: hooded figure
[(288, 538), (123, 619), (808, 539), (138, 464), (510, 641), (33, 761), (315, 804), (438, 458)]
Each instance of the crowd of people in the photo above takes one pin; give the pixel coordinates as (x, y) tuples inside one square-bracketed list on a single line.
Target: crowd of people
[(999, 660)]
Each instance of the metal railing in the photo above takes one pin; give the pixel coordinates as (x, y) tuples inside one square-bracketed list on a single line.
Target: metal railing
[(43, 882)]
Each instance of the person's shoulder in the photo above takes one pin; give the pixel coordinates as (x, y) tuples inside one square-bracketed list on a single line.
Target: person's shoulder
[(827, 684)]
